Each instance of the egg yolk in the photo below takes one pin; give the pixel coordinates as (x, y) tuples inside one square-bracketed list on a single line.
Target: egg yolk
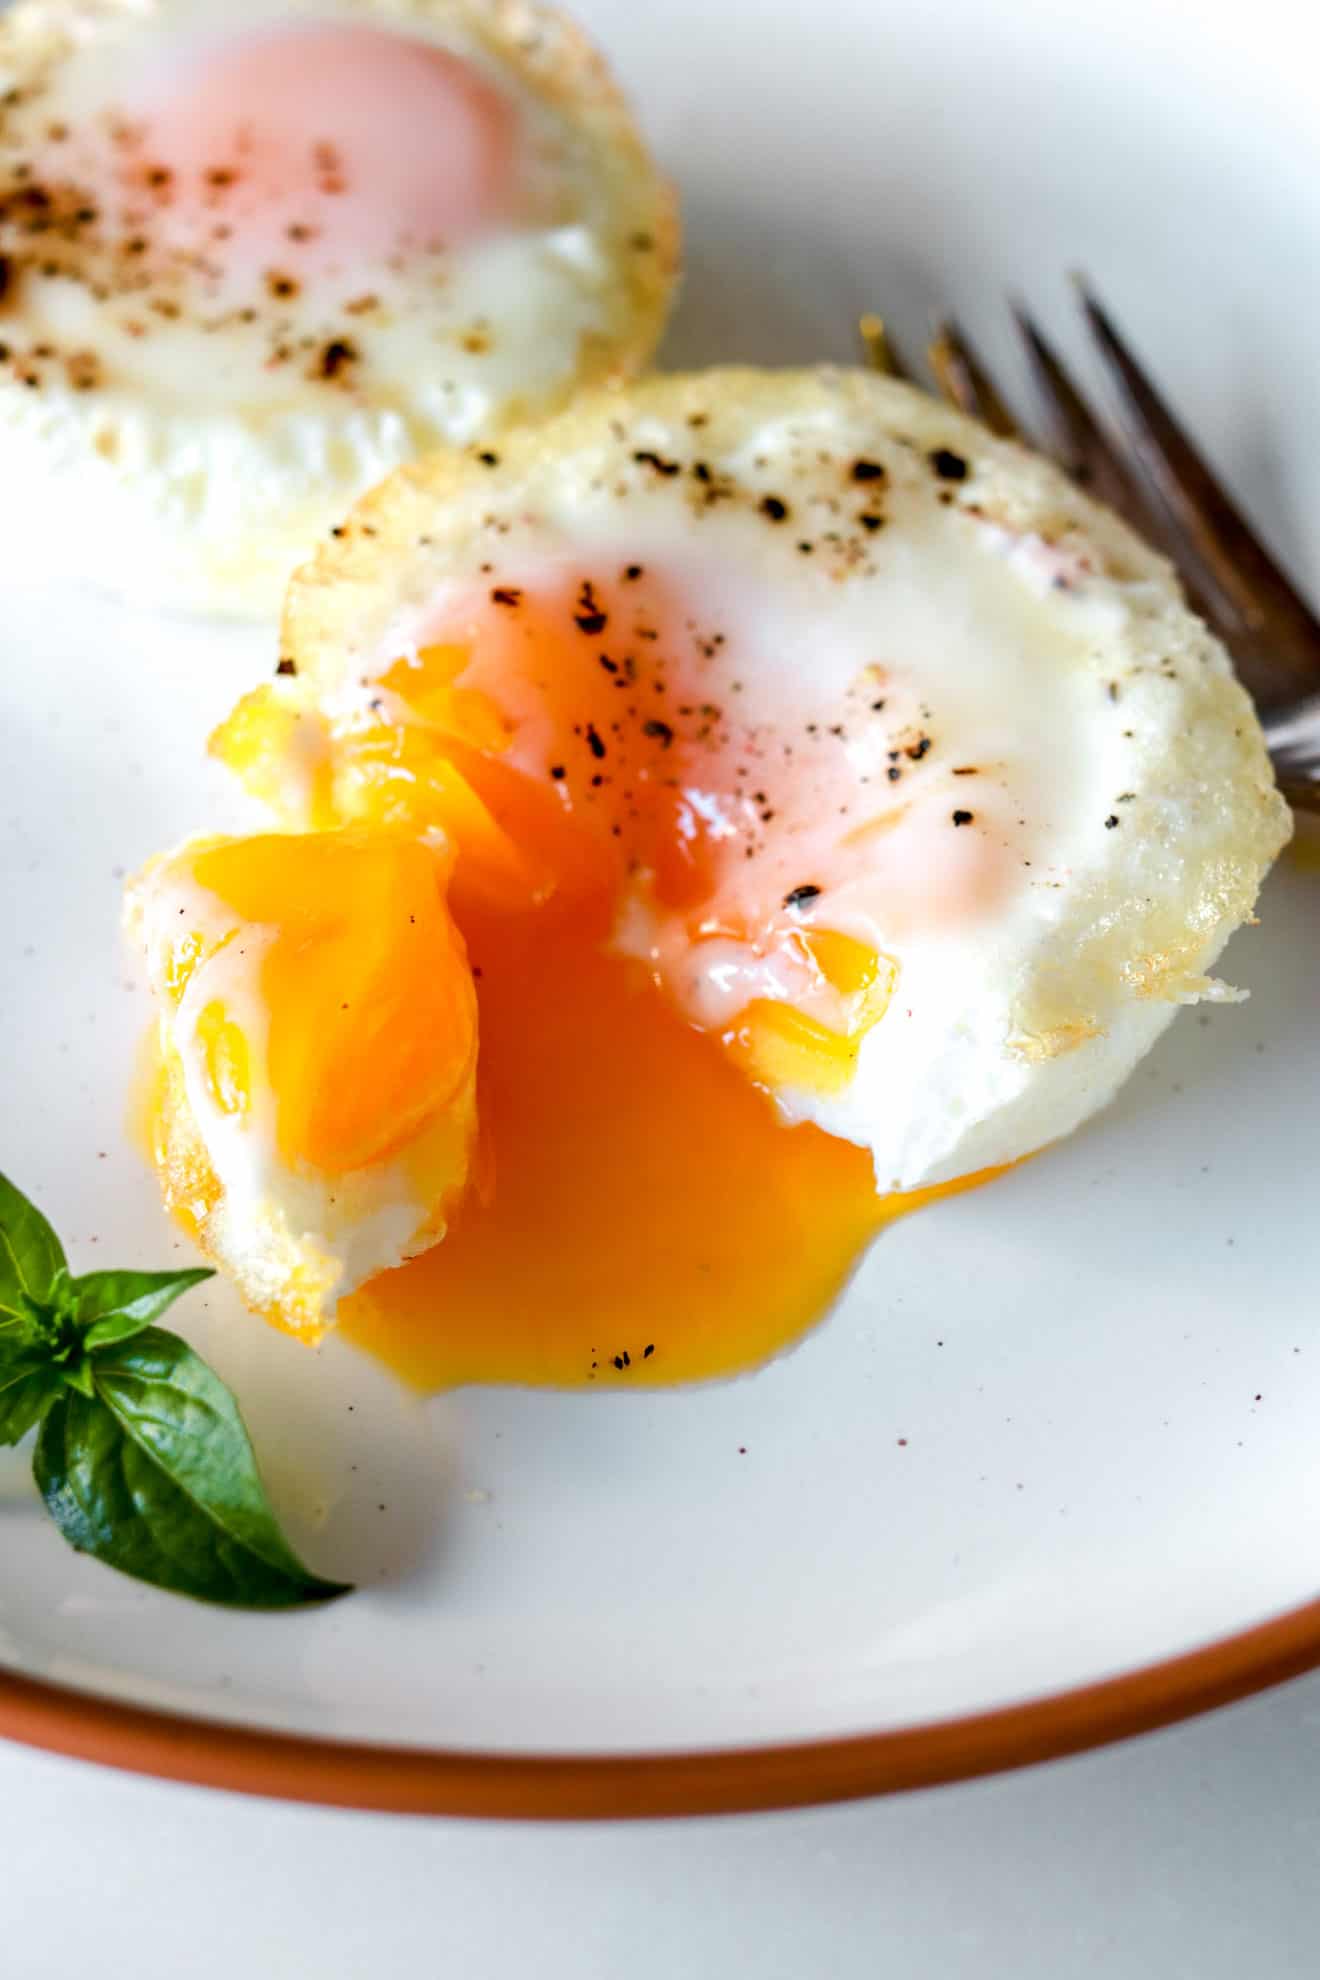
[(365, 987), (311, 147), (648, 1218), (645, 1215)]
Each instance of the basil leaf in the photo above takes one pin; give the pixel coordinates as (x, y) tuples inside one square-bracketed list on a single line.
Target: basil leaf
[(15, 1338), (25, 1390), (30, 1252), (156, 1477), (113, 1306)]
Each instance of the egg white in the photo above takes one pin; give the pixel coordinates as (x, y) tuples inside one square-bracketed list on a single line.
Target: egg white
[(1124, 799), (184, 461)]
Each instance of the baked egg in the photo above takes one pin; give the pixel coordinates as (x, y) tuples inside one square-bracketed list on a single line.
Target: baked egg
[(253, 256), (840, 804)]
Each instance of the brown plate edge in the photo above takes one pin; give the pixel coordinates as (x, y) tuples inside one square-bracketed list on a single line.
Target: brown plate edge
[(543, 1787)]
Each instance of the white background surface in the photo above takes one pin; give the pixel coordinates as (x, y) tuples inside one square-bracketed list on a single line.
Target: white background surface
[(1191, 1855)]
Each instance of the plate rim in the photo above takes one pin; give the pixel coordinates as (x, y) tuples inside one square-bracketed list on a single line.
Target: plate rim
[(549, 1786)]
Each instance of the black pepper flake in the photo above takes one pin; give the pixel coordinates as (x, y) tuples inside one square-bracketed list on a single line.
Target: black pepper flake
[(801, 897), (967, 770), (647, 457), (648, 1351), (558, 772), (488, 459), (948, 465), (286, 666), (1111, 821), (506, 594), (893, 773), (867, 471), (915, 751), (660, 731), (632, 572), (336, 356), (963, 817), (594, 743), (589, 618), (772, 506), (871, 522)]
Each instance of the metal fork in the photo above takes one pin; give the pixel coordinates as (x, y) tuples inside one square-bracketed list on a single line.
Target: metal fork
[(1163, 487)]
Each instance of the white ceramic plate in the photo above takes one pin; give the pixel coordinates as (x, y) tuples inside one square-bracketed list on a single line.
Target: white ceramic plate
[(1061, 1429)]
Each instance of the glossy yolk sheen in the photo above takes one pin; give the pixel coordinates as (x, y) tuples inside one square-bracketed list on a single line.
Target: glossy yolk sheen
[(644, 1215)]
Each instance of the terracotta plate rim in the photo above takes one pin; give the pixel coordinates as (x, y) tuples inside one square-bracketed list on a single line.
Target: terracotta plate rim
[(711, 1781)]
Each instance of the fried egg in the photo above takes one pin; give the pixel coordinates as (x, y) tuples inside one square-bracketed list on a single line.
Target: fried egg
[(906, 770), (313, 1113), (840, 805), (254, 256)]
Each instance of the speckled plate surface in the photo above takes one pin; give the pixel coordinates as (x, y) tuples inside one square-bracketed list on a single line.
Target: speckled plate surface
[(1058, 1430)]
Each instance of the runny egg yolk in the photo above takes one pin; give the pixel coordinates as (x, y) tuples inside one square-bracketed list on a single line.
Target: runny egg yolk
[(648, 1219), (644, 1214)]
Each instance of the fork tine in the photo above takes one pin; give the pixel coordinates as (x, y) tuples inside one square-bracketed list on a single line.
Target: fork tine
[(1274, 636), (1078, 442), (964, 380), (1089, 456), (1293, 735), (882, 353)]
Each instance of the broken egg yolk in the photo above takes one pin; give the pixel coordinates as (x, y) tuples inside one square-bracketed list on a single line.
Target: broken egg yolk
[(643, 1214), (369, 1026), (312, 1110)]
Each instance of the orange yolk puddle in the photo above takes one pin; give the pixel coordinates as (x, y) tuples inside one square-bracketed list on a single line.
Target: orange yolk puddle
[(640, 1213), (649, 1218)]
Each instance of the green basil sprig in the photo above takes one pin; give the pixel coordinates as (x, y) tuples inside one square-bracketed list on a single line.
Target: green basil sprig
[(142, 1456)]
